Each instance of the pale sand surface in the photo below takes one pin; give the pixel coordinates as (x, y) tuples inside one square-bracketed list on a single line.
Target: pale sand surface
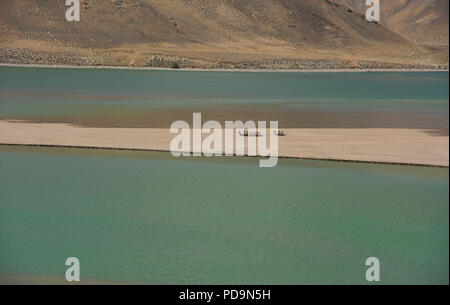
[(385, 145)]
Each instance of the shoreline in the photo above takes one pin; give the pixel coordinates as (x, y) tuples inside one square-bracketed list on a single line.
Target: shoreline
[(219, 70), (234, 155)]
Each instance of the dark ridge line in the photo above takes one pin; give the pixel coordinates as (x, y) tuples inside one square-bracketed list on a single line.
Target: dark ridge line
[(234, 155)]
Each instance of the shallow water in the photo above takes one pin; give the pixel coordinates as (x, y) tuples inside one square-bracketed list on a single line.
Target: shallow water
[(136, 98), (148, 218)]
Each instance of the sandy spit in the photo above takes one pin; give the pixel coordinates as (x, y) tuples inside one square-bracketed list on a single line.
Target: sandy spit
[(377, 145)]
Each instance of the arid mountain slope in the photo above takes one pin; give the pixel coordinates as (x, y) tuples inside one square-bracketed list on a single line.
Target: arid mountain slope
[(423, 21), (203, 33)]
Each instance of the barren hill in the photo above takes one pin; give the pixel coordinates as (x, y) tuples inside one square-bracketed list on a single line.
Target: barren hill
[(204, 33), (423, 21)]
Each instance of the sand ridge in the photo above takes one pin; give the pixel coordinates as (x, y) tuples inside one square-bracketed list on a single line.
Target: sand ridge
[(380, 145)]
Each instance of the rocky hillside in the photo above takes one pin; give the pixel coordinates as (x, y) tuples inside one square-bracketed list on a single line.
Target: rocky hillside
[(423, 21), (205, 34)]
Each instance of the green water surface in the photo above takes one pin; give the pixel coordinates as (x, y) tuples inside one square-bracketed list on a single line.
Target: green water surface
[(148, 218), (139, 98)]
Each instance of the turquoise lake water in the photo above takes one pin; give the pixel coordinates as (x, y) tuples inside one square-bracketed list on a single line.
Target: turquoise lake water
[(145, 217), (136, 98), (141, 217)]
